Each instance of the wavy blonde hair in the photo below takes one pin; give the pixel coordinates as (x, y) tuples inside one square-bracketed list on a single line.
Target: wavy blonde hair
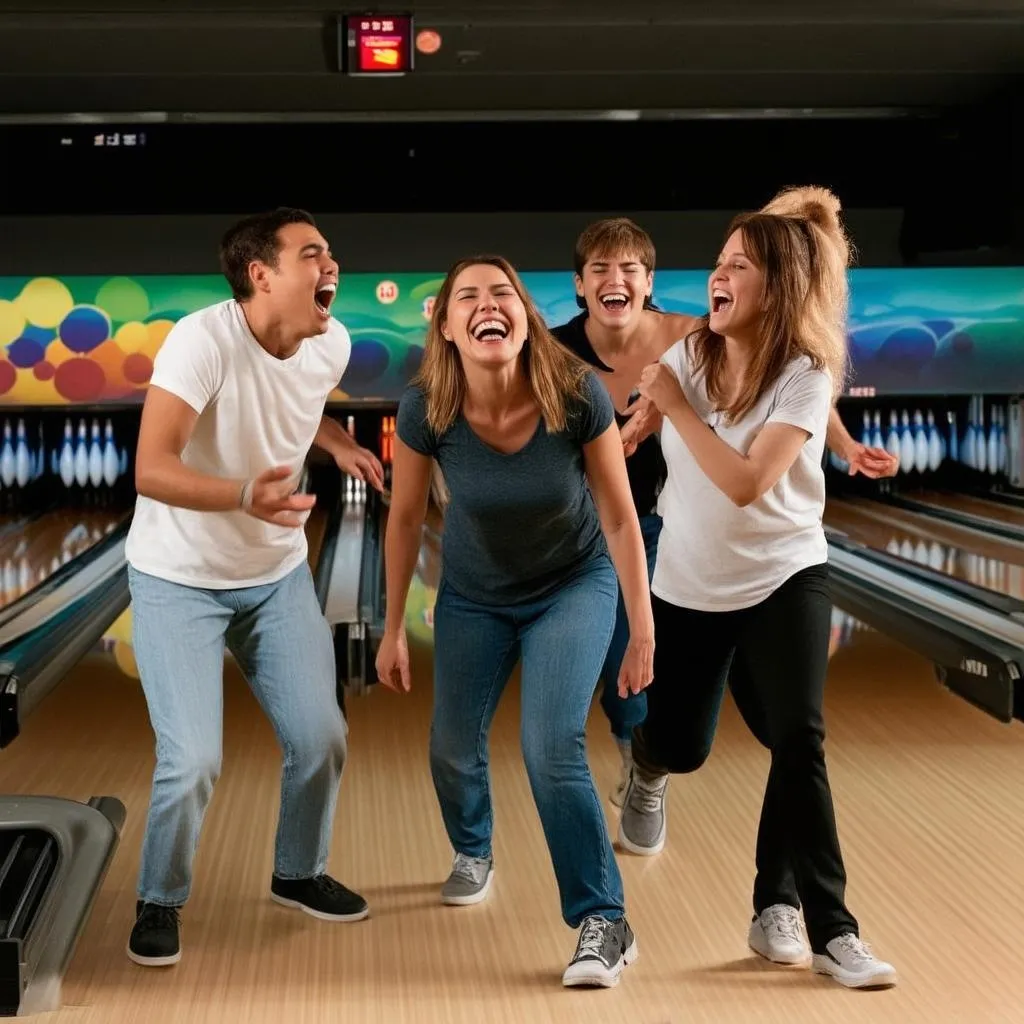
[(555, 374), (799, 243)]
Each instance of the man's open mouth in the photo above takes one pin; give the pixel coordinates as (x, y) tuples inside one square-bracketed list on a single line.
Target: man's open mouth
[(615, 302), (323, 297)]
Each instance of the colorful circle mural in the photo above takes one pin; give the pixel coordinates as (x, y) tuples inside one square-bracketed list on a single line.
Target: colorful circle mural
[(73, 340)]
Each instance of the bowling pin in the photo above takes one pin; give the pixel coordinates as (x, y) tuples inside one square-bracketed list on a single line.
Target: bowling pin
[(111, 462), (82, 456), (7, 463), (892, 439), (934, 443), (980, 447), (906, 443), (66, 464), (95, 456), (992, 455), (876, 434), (1004, 452), (22, 457), (920, 442)]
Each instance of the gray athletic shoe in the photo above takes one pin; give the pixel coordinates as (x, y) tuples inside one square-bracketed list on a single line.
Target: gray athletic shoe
[(469, 881), (604, 950), (642, 822)]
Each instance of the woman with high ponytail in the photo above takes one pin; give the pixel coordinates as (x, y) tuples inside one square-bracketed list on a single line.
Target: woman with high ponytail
[(741, 579)]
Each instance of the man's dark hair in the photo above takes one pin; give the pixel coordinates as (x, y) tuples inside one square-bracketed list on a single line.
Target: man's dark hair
[(255, 238)]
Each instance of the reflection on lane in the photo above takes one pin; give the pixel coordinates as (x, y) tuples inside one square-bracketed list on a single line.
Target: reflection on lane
[(845, 630), (968, 538), (980, 507), (419, 608), (30, 555), (960, 553)]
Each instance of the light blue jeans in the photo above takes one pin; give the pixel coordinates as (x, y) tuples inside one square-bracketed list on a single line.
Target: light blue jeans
[(562, 640), (283, 645)]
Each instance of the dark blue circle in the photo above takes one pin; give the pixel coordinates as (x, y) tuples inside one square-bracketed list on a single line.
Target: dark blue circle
[(25, 352), (84, 328), (369, 360)]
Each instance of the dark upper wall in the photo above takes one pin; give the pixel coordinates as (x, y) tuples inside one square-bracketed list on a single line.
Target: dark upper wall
[(392, 243), (259, 55)]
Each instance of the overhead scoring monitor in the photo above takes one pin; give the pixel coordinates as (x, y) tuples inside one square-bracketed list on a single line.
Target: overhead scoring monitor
[(377, 44)]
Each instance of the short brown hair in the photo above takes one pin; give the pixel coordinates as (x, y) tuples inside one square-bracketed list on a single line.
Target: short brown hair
[(555, 374), (254, 239), (612, 236)]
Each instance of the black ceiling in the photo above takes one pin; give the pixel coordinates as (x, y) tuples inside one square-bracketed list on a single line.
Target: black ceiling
[(231, 57)]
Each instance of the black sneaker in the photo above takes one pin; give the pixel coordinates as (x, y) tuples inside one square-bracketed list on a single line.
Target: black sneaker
[(605, 948), (154, 939), (320, 897)]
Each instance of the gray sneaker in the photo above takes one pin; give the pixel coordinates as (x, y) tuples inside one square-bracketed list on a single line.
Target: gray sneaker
[(469, 881), (642, 823)]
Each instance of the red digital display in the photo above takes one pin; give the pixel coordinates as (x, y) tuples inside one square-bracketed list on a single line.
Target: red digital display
[(379, 44)]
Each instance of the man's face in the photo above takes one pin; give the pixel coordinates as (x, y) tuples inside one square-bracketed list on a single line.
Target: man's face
[(614, 287), (302, 287)]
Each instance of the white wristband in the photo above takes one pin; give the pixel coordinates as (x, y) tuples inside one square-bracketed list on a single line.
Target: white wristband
[(245, 498)]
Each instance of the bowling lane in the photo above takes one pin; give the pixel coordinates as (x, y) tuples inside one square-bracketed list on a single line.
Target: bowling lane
[(33, 553), (941, 781), (980, 507), (316, 525), (961, 553)]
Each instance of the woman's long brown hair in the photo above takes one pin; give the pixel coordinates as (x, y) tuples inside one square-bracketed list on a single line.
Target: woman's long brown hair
[(799, 244), (555, 374)]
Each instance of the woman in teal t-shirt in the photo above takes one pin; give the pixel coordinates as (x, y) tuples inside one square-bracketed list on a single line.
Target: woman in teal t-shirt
[(539, 499)]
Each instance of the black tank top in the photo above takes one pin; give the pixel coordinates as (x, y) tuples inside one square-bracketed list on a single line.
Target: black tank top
[(646, 466)]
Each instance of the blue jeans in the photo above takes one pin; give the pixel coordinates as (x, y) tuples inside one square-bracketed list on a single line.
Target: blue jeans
[(625, 713), (283, 645), (562, 640)]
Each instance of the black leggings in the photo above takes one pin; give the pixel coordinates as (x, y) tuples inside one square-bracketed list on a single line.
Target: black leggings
[(780, 648)]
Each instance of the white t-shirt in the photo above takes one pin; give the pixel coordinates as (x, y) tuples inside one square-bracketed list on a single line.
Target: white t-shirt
[(255, 411), (713, 555)]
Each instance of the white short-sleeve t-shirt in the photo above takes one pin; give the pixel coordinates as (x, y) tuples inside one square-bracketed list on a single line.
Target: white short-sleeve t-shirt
[(255, 411), (713, 555)]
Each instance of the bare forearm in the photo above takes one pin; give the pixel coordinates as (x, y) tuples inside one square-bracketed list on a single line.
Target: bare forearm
[(836, 435), (626, 548), (731, 472), (401, 549), (332, 437), (168, 479)]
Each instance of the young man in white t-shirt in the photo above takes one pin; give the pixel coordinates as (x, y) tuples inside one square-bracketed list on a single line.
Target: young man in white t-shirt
[(217, 558)]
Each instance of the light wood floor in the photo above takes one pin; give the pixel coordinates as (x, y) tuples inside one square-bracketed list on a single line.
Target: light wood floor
[(930, 797)]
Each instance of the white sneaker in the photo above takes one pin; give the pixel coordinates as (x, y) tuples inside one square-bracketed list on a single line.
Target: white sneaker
[(618, 794), (852, 964), (777, 936)]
